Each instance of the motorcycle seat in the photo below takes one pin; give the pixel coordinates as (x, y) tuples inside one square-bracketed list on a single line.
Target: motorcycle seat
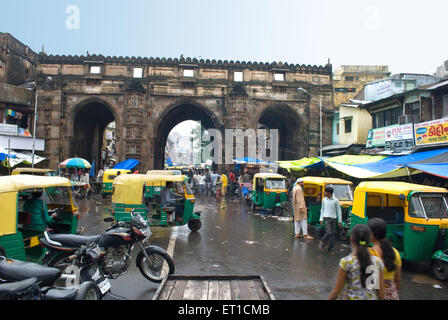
[(16, 270), (13, 290), (71, 241)]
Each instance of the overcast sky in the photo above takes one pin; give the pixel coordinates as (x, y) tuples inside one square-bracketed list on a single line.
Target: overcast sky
[(409, 36)]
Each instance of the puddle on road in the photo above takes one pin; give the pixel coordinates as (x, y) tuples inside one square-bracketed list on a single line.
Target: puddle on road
[(424, 279)]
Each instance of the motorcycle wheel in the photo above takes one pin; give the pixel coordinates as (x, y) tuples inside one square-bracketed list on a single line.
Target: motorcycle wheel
[(88, 291), (152, 269), (440, 270)]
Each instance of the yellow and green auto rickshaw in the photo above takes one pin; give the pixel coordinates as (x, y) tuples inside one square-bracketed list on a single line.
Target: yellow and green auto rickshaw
[(270, 192), (108, 178), (34, 172), (416, 217), (313, 191), (141, 193), (19, 228)]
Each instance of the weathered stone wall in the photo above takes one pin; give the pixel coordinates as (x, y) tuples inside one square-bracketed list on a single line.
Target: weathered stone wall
[(18, 63)]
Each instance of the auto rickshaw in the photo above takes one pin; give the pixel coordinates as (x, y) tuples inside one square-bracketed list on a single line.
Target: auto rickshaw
[(416, 218), (270, 192), (313, 191), (141, 193), (34, 172), (108, 177), (19, 237)]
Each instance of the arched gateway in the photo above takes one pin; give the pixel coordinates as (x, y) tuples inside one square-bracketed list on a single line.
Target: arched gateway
[(146, 98)]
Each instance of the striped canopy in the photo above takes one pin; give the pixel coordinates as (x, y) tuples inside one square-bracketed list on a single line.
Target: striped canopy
[(75, 163)]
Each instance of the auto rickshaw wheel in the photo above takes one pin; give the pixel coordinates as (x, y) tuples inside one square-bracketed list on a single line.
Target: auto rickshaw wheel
[(2, 252), (194, 224), (440, 270), (278, 211)]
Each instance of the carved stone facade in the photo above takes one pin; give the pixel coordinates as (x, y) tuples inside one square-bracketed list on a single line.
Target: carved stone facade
[(147, 97)]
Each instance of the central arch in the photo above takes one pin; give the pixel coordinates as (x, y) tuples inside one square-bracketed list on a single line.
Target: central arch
[(287, 122), (179, 113), (90, 120)]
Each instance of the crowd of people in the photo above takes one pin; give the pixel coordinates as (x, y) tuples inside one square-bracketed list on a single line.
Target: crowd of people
[(208, 182)]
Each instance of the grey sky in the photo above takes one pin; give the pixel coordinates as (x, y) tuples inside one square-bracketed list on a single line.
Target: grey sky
[(406, 35)]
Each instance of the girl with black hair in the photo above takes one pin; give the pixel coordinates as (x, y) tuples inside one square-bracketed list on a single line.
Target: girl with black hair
[(383, 249), (360, 274)]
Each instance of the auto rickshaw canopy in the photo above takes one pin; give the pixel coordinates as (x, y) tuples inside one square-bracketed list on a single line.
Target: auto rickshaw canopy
[(128, 188), (113, 172), (9, 188), (396, 188), (322, 181), (162, 172), (17, 171), (393, 188), (268, 175)]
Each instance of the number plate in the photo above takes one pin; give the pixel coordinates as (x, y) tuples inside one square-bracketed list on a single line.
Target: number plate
[(104, 286), (444, 226)]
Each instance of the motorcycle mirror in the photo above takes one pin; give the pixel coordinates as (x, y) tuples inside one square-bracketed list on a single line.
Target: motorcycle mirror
[(109, 219)]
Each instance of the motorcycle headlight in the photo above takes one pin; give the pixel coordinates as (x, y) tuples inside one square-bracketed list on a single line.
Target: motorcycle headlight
[(146, 232)]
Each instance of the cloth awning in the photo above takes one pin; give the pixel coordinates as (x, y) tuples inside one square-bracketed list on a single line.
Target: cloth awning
[(128, 164), (433, 162), (16, 158), (302, 164), (436, 165)]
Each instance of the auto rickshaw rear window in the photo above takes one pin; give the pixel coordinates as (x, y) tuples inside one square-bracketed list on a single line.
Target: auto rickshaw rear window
[(342, 192), (279, 184)]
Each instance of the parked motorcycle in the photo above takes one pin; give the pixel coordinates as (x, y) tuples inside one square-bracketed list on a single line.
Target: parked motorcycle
[(116, 245), (21, 280)]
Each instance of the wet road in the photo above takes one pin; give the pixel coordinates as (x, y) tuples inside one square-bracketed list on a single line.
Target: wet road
[(235, 241)]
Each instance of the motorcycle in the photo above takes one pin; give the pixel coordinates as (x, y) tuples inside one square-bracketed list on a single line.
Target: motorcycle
[(83, 266), (116, 245), (21, 280)]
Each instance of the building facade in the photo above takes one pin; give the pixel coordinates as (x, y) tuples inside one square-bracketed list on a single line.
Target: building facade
[(148, 97)]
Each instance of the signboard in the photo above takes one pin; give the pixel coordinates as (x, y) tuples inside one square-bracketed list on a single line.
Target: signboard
[(400, 137), (377, 137), (431, 132), (10, 129)]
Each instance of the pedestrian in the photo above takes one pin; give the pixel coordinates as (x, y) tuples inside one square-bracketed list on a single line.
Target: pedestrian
[(201, 184), (224, 181), (300, 212), (354, 280), (208, 183), (214, 177), (383, 249), (331, 215)]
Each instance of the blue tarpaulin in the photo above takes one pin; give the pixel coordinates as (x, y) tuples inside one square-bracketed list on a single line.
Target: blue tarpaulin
[(249, 160), (128, 164), (395, 162), (92, 170)]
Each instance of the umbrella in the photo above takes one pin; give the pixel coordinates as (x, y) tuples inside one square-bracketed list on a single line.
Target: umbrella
[(75, 163)]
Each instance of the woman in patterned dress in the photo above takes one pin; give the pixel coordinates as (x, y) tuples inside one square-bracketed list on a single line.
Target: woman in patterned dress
[(360, 274), (383, 249)]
